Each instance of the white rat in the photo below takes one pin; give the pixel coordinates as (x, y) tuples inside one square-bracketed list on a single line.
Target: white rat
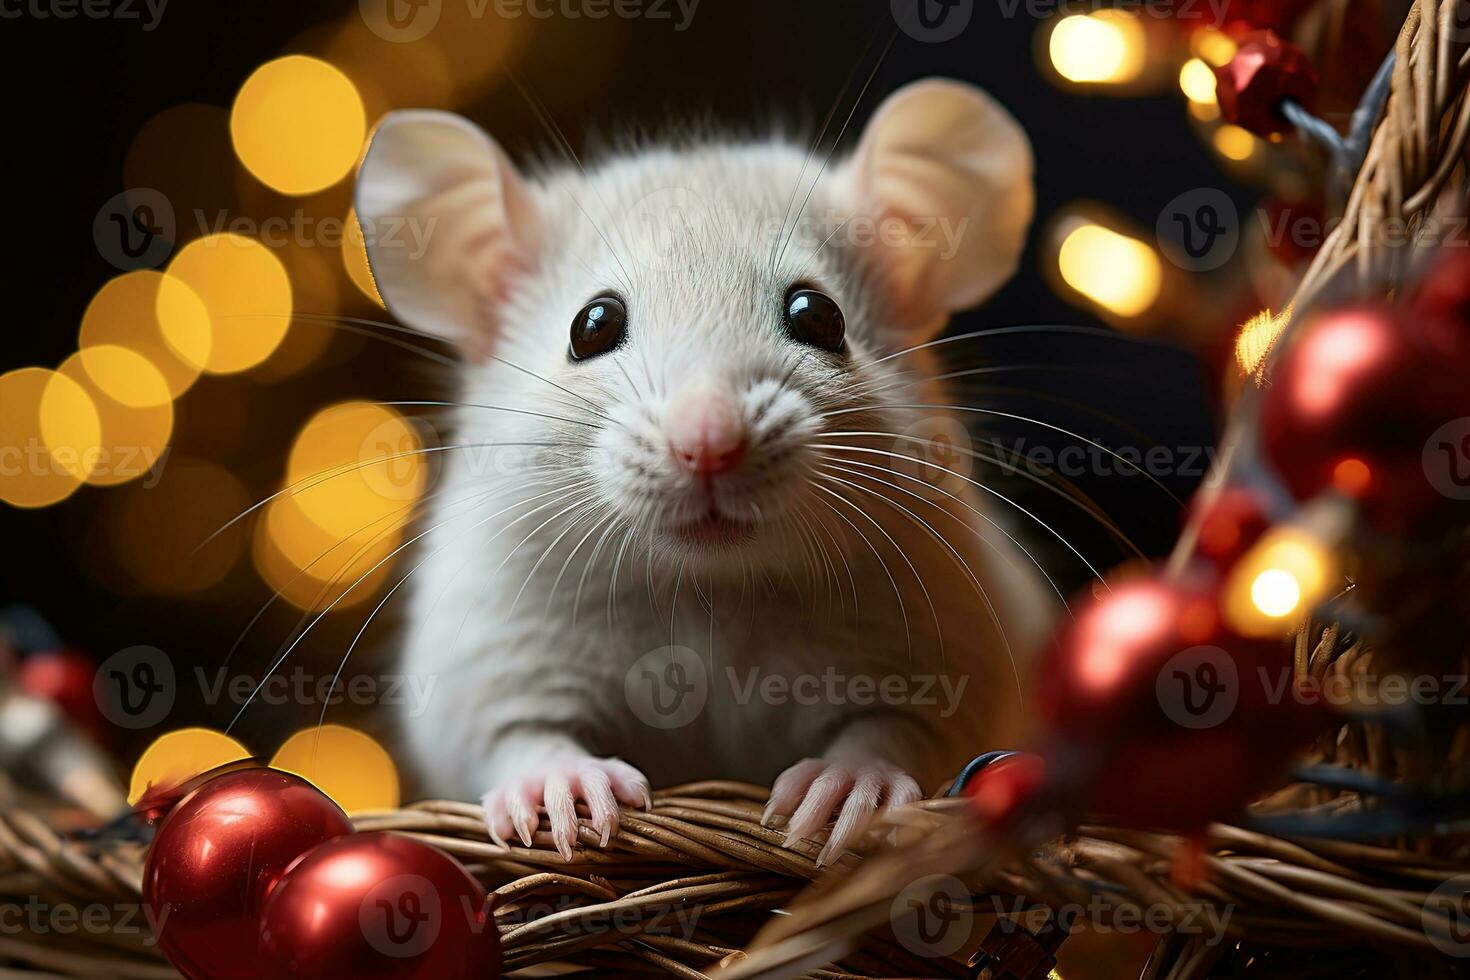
[(714, 489)]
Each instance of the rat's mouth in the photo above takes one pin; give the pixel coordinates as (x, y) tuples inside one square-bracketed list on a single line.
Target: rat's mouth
[(715, 528)]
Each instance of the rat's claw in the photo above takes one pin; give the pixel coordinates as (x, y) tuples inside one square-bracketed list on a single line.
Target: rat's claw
[(856, 813), (855, 791), (629, 786), (522, 807), (598, 792), (561, 784), (562, 809), (790, 787), (497, 817), (822, 797)]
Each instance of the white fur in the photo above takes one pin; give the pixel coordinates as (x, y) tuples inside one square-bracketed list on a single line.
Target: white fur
[(532, 619)]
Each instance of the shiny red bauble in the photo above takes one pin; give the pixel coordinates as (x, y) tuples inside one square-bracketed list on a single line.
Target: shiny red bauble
[(379, 906), (63, 677), (1227, 522), (1158, 715), (217, 856), (1363, 402), (1444, 291), (1264, 71)]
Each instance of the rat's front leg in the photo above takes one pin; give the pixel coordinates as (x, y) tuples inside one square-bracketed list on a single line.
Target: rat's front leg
[(866, 770), (533, 768)]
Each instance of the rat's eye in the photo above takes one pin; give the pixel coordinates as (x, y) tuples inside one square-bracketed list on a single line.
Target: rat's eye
[(598, 328), (814, 318)]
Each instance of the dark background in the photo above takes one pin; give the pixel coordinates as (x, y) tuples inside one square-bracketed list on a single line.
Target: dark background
[(77, 91)]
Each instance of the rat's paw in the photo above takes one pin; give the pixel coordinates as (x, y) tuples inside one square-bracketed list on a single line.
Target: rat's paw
[(813, 789), (560, 785)]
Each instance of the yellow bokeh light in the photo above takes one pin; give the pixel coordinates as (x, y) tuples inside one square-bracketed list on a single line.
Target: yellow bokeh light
[(315, 570), (1204, 111), (354, 463), (180, 756), (247, 294), (134, 411), (1103, 47), (1197, 81), (1234, 143), (298, 124), (1256, 339), (1277, 582), (156, 534), (354, 258), (48, 434), (1213, 46), (1121, 274), (1276, 592), (345, 764), (156, 315)]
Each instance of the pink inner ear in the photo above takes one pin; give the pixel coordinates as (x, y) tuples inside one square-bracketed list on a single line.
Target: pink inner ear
[(437, 177)]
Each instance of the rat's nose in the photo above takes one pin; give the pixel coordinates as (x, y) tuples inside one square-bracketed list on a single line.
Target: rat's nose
[(705, 431)]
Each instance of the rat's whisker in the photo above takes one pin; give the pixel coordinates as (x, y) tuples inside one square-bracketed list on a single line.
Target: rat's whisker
[(1081, 501), (405, 512), (801, 269), (1061, 328), (589, 509), (841, 554), (989, 490), (888, 471), (321, 615), (548, 122), (442, 403), (355, 325), (944, 543), (602, 539), (564, 492), (811, 152), (1033, 421), (343, 469), (606, 521), (796, 222), (902, 608), (337, 676)]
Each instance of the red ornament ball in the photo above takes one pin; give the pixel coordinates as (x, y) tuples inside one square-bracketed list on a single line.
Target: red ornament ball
[(1264, 71), (1227, 523), (1373, 402), (1158, 715), (63, 677), (1445, 290), (217, 856), (1000, 792), (1242, 16), (379, 906)]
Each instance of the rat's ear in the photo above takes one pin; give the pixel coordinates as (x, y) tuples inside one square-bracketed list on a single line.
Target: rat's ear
[(944, 173), (447, 220)]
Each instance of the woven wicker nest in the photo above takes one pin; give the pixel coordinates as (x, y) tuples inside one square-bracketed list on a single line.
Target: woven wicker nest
[(685, 887)]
